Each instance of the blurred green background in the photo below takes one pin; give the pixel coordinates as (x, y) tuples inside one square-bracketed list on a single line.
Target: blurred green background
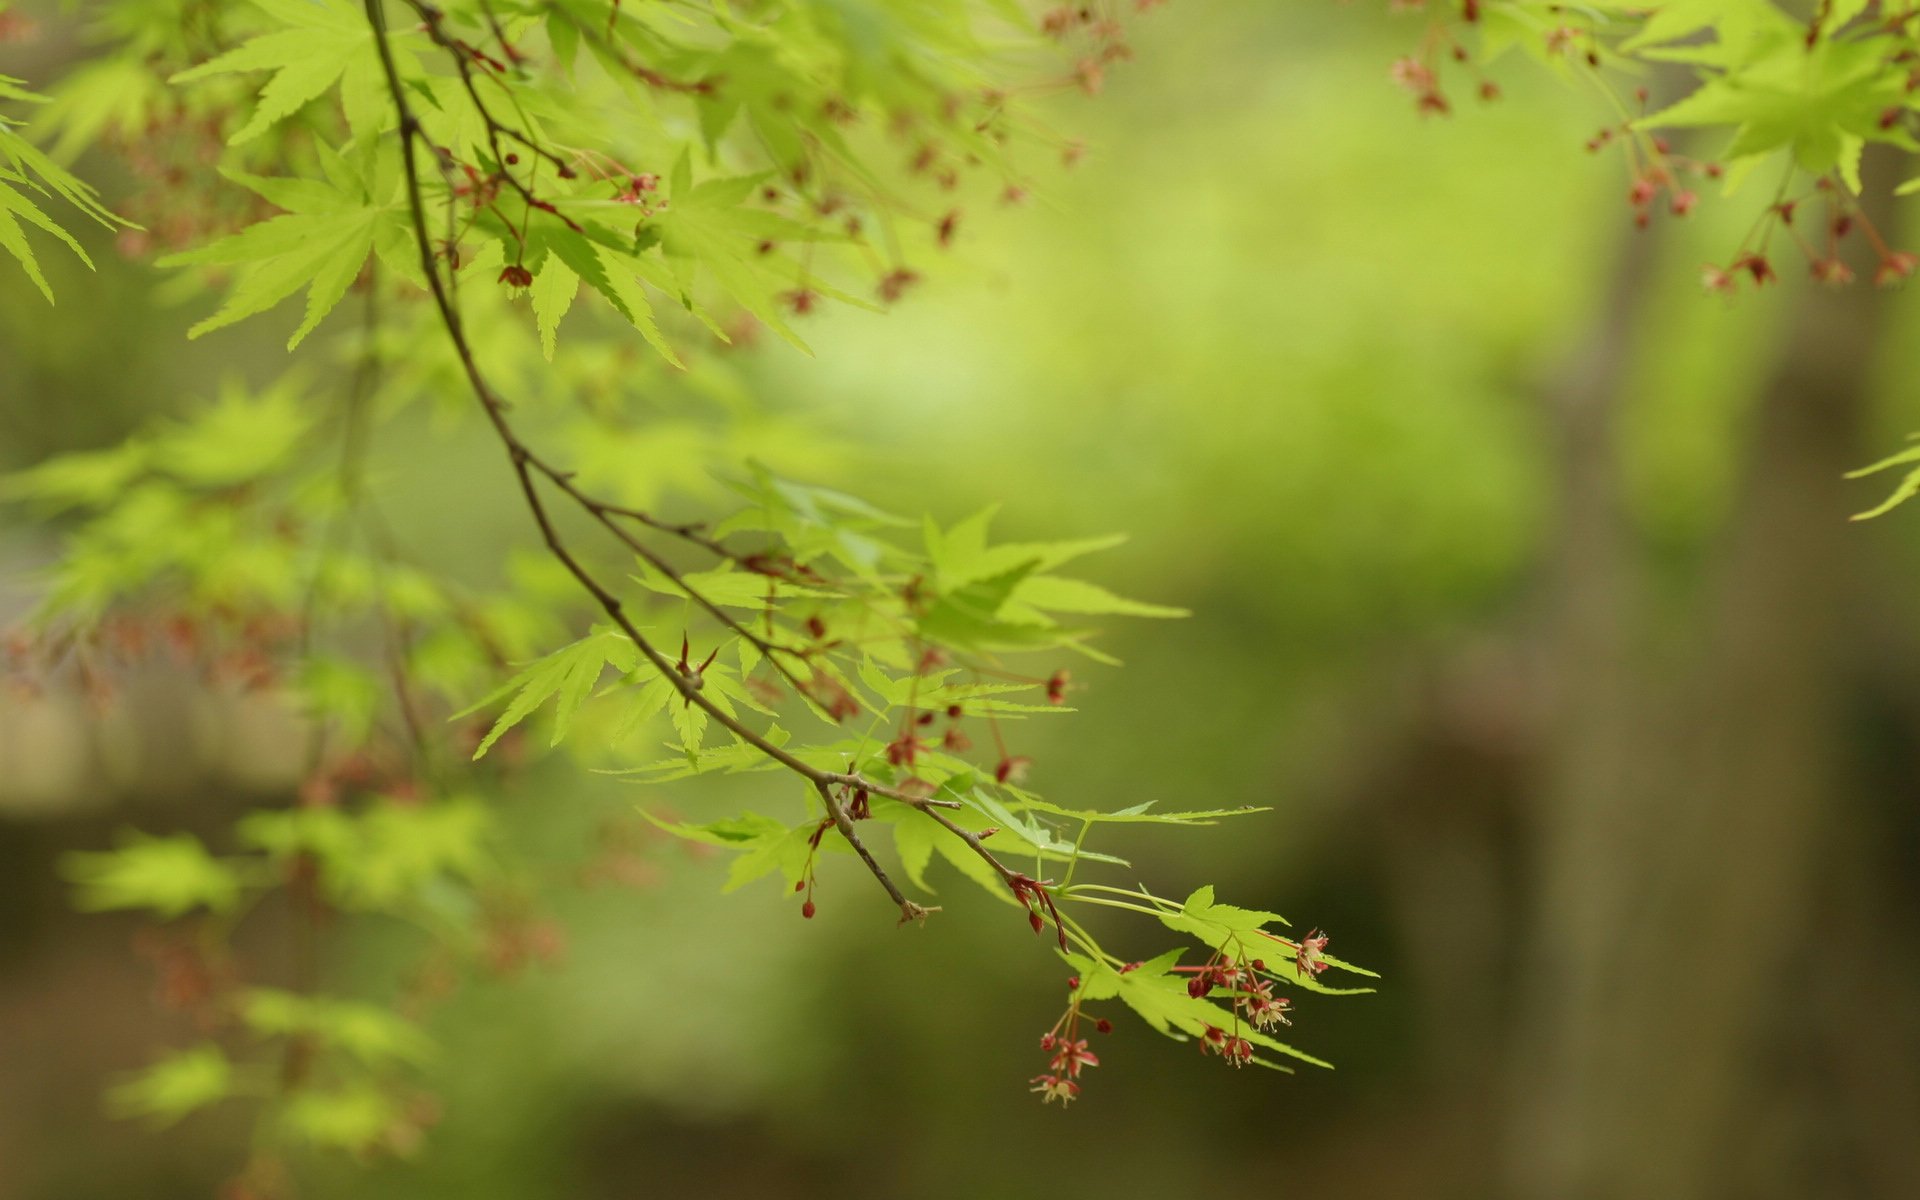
[(1524, 596)]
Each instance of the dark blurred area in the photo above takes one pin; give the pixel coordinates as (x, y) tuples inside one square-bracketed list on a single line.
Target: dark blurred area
[(1525, 597)]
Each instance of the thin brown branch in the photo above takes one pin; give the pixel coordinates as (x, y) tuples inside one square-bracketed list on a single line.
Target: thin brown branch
[(604, 513), (979, 847), (461, 54)]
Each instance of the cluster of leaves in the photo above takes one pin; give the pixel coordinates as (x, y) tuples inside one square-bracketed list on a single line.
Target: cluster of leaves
[(328, 1072), (566, 136), (28, 177), (889, 643), (1797, 95), (703, 171)]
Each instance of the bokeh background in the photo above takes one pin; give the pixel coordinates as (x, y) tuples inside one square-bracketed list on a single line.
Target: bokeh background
[(1525, 598)]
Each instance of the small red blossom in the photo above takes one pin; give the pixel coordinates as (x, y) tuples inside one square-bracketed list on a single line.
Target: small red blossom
[(903, 750), (1071, 1056), (894, 284), (1266, 1010), (1757, 266), (1236, 1050), (1057, 687), (1053, 1087), (1895, 268), (1831, 271), (638, 187), (1413, 75), (1307, 955), (834, 698)]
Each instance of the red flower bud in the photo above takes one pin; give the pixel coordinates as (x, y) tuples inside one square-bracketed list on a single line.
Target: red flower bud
[(1757, 266), (1057, 687)]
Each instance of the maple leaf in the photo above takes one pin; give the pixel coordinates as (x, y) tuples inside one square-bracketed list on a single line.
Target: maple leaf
[(313, 47), (320, 242), (24, 166)]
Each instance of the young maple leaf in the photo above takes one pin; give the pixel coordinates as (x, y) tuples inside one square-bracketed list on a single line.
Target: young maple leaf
[(23, 168), (313, 46), (319, 243)]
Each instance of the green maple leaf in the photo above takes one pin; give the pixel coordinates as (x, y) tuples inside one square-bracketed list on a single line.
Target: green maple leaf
[(178, 1084), (1732, 22), (313, 47), (1820, 104), (25, 168), (563, 258), (170, 875), (708, 226), (320, 243), (764, 845), (569, 673)]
